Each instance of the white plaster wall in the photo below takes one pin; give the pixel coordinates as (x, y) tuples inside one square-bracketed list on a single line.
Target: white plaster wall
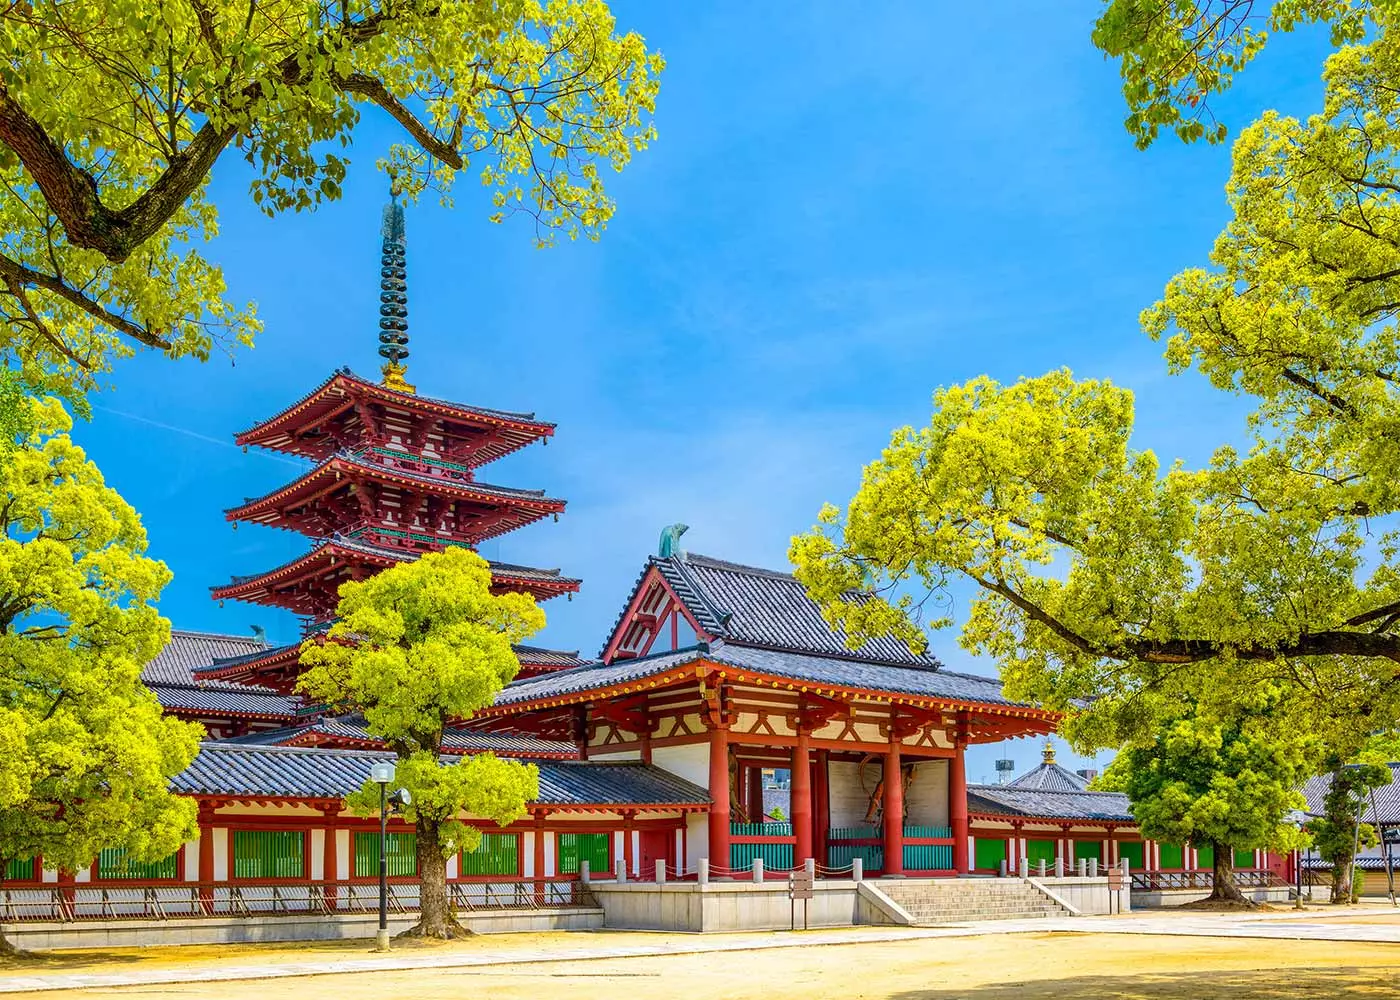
[(691, 762), (192, 860), (848, 801), (50, 875), (527, 846), (220, 853), (637, 854), (318, 854), (83, 876), (618, 846), (678, 854), (342, 853), (452, 867), (633, 754), (697, 840), (550, 868), (926, 801)]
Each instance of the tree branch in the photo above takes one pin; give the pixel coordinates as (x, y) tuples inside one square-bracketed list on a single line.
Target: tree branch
[(374, 91)]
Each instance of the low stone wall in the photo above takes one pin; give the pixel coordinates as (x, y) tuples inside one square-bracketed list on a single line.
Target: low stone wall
[(1088, 896), (46, 935), (1160, 898), (723, 906)]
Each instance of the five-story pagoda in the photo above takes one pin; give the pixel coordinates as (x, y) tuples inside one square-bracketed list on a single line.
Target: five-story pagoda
[(395, 476)]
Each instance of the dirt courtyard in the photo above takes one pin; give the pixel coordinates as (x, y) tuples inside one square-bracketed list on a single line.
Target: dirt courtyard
[(1001, 967)]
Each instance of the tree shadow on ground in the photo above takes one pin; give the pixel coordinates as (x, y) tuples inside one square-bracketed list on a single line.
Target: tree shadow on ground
[(1256, 984)]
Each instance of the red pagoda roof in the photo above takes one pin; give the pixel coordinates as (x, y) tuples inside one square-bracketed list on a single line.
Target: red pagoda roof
[(321, 497), (331, 417), (308, 584)]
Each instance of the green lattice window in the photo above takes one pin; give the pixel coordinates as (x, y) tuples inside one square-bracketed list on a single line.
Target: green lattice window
[(1205, 857), (268, 854), (114, 864), (1171, 856), (22, 870), (1133, 851), (1040, 850), (497, 854), (1244, 859), (1088, 850), (988, 853), (401, 849), (594, 848)]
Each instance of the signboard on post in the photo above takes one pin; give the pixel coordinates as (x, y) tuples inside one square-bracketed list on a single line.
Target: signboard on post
[(801, 885)]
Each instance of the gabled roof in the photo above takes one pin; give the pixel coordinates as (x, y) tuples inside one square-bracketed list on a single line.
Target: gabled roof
[(746, 605), (856, 676), (189, 652), (338, 392), (1050, 777), (350, 732), (1004, 800), (243, 771)]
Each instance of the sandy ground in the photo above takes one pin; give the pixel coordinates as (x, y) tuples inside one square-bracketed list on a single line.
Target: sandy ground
[(1009, 967)]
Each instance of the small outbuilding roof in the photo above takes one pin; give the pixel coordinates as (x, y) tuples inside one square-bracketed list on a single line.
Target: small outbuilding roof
[(1005, 800)]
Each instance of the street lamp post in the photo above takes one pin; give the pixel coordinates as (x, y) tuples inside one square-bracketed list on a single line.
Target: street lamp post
[(382, 774), (1298, 818)]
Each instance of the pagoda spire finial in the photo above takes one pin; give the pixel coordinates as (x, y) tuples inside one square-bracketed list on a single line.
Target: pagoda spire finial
[(393, 295), (1048, 754)]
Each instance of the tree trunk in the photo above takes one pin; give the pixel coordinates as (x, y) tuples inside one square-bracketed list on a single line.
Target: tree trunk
[(1223, 888), (1341, 882), (435, 916)]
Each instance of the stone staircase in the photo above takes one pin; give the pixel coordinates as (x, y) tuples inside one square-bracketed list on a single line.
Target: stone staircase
[(951, 901)]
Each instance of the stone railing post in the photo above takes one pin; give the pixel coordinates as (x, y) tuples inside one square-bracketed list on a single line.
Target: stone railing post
[(810, 867), (620, 867), (1005, 868), (1081, 867), (1059, 867), (702, 872), (857, 869), (1025, 867), (758, 869), (660, 872), (585, 875), (1040, 868)]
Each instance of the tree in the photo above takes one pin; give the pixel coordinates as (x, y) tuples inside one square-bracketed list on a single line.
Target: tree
[(1338, 832), (1174, 54), (416, 647), (113, 115), (1227, 783), (85, 753)]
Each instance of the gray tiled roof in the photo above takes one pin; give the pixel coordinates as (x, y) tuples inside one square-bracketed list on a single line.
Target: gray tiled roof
[(837, 672), (548, 657), (297, 772), (188, 652), (1387, 798), (745, 604), (231, 699), (1007, 801), (461, 740), (1050, 777)]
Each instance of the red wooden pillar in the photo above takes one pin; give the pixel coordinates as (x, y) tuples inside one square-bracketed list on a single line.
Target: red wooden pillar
[(539, 857), (802, 799), (755, 781), (719, 797), (821, 807), (329, 865), (206, 858), (957, 799), (894, 810), (628, 824)]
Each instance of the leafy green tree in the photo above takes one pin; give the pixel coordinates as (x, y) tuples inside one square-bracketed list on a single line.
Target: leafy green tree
[(1338, 832), (1174, 54), (114, 112), (1228, 784), (85, 753), (417, 647)]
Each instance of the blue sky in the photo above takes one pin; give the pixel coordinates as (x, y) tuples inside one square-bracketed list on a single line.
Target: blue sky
[(845, 209)]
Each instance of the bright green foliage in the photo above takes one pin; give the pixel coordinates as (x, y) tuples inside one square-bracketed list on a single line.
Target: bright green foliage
[(85, 753), (1227, 784), (1174, 54), (113, 112), (1336, 833), (416, 647)]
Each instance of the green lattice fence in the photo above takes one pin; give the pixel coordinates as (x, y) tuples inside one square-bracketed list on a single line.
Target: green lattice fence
[(988, 853), (497, 854), (1170, 856), (401, 850), (268, 854), (114, 864), (22, 870), (594, 848)]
